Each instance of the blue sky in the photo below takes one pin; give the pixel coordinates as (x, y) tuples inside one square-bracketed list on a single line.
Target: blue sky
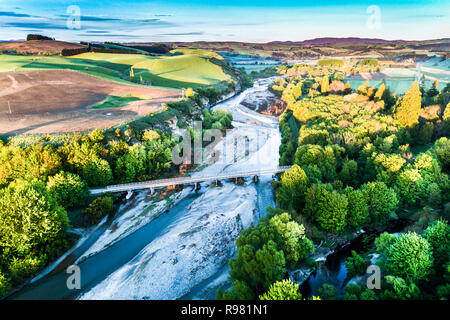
[(230, 20)]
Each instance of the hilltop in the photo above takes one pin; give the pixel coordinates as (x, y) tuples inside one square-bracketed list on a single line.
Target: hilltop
[(38, 46)]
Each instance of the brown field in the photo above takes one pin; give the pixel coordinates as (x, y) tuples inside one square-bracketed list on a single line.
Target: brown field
[(57, 101), (39, 46)]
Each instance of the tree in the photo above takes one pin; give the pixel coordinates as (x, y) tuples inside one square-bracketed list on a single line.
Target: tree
[(68, 189), (356, 265), (99, 208), (438, 236), (97, 173), (31, 219), (290, 237), (410, 256), (442, 149), (446, 113), (357, 209), (379, 94), (327, 207), (293, 186), (259, 268), (381, 200), (410, 186), (347, 88), (282, 290), (324, 84), (401, 289), (327, 292), (239, 291), (349, 172), (408, 109)]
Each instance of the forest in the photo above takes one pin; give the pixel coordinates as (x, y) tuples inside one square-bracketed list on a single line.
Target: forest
[(361, 160)]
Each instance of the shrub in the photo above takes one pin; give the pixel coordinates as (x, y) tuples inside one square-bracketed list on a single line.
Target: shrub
[(282, 290), (356, 265), (327, 292), (99, 208)]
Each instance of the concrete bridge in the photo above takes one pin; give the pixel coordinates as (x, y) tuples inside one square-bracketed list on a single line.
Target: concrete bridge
[(186, 180)]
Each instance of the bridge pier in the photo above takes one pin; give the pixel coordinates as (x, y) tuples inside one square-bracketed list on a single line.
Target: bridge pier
[(255, 179), (129, 194)]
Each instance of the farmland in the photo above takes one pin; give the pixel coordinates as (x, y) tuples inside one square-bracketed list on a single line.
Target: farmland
[(55, 101), (53, 94)]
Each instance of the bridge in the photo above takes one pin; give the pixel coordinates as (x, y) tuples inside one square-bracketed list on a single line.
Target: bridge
[(186, 180)]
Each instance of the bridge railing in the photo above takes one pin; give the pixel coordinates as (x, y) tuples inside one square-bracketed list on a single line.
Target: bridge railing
[(186, 180)]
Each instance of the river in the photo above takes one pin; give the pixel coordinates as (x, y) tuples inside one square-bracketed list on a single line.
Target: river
[(176, 248)]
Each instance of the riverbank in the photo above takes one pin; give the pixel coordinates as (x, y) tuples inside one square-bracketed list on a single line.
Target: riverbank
[(153, 252)]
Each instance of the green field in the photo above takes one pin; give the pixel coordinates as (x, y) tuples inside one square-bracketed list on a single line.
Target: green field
[(181, 69), (116, 102)]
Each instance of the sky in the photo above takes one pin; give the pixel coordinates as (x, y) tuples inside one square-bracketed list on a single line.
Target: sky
[(224, 20)]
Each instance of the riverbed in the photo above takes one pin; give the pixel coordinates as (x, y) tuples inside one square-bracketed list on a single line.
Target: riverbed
[(179, 247)]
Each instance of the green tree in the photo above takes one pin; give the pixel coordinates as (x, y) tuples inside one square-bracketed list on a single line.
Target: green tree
[(357, 209), (438, 236), (258, 267), (356, 265), (239, 291), (401, 289), (282, 290), (327, 292), (410, 186), (327, 207), (98, 208), (293, 186), (408, 110), (31, 220), (68, 189), (410, 256), (381, 200), (290, 237)]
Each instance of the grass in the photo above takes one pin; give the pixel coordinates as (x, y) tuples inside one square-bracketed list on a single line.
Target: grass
[(117, 101), (190, 68)]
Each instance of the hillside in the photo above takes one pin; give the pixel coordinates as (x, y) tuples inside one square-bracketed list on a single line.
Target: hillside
[(39, 46)]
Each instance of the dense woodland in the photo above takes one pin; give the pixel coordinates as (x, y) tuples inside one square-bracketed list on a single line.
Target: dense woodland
[(364, 159)]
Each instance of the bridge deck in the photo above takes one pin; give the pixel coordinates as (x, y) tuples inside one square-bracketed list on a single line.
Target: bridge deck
[(185, 180)]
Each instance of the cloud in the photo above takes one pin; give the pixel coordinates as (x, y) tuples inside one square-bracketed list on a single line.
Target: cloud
[(15, 14), (182, 34), (122, 36), (35, 25)]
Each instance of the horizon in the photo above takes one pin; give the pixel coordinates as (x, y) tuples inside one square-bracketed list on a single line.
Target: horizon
[(219, 21)]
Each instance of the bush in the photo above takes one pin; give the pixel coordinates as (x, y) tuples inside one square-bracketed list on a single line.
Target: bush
[(356, 265), (327, 292), (282, 290), (99, 208)]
